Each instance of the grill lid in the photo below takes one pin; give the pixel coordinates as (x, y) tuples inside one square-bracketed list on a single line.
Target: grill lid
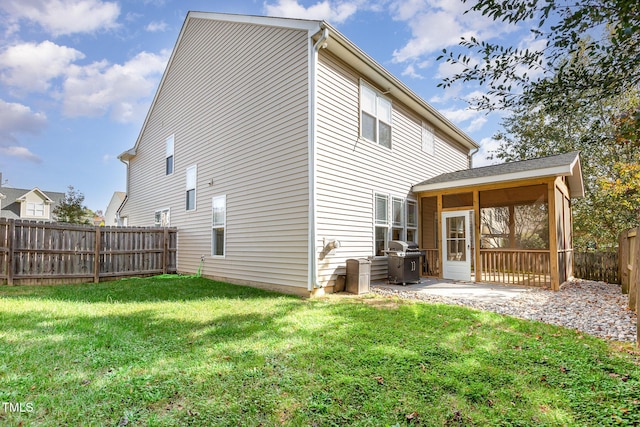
[(402, 246)]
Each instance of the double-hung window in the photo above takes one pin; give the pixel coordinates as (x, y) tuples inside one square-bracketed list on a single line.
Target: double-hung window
[(412, 221), (169, 155), (428, 139), (35, 209), (192, 174), (401, 225), (397, 216), (219, 221), (381, 223), (162, 218), (375, 116)]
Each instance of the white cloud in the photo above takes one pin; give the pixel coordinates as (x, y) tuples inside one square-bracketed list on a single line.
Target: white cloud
[(122, 91), (62, 17), (20, 152), (154, 27), (487, 145), (411, 72), (333, 11), (31, 67), (439, 24), (18, 118)]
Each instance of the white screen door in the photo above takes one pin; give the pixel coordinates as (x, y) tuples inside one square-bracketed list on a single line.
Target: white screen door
[(456, 247)]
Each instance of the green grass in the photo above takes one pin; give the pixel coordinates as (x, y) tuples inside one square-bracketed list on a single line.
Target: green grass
[(170, 351)]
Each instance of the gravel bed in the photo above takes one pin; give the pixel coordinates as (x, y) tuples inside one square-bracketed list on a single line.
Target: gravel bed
[(595, 308)]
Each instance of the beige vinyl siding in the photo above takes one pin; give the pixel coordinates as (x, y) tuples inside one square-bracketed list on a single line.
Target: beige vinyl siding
[(351, 170), (236, 98)]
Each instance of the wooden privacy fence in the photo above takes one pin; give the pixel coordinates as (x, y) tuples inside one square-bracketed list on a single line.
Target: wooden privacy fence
[(629, 269), (629, 263), (39, 252), (601, 266)]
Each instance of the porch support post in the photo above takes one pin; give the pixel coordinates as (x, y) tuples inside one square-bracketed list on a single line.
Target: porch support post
[(553, 236), (440, 244), (476, 236), (512, 227)]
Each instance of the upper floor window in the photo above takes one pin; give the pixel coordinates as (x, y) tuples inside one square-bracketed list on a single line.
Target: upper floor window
[(169, 155), (192, 173), (428, 139), (35, 209), (375, 116)]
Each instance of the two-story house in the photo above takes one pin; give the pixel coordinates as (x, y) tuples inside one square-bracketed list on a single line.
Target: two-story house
[(31, 204), (279, 150)]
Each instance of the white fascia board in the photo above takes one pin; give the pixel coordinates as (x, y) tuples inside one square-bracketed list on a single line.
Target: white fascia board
[(292, 23)]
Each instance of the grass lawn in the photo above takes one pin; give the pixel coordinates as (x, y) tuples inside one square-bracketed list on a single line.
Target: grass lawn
[(177, 351)]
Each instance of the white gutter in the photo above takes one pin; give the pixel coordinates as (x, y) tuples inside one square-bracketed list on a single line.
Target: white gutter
[(313, 258)]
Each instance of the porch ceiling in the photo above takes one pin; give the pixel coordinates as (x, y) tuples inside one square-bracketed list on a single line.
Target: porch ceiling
[(567, 164)]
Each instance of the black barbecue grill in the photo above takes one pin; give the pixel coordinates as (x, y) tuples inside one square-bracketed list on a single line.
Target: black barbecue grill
[(404, 262)]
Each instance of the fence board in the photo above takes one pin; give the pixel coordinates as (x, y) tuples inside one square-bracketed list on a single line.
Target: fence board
[(38, 252), (601, 266)]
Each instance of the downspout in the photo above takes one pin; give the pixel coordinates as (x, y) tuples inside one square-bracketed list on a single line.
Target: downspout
[(471, 154), (125, 158), (313, 258)]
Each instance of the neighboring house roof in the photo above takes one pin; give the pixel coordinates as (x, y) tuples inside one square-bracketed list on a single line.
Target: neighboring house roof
[(343, 48), (42, 195), (11, 204), (567, 164)]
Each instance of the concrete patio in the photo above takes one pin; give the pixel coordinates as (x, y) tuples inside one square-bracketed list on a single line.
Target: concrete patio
[(484, 292)]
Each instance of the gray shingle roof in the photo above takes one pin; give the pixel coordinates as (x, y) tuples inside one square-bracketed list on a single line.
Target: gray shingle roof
[(506, 171)]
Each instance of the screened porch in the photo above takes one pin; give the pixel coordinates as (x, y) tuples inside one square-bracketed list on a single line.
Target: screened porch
[(508, 223)]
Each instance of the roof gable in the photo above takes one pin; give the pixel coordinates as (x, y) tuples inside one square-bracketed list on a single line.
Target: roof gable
[(37, 192), (567, 164)]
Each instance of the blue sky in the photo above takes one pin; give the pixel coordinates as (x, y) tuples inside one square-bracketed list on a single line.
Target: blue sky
[(77, 76)]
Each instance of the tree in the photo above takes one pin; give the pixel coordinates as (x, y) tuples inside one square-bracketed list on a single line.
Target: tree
[(605, 34), (71, 208), (610, 162)]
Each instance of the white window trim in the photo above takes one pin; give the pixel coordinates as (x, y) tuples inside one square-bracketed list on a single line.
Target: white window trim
[(223, 225), (390, 225), (34, 209), (377, 119), (407, 226), (194, 187), (428, 139), (168, 211), (170, 152), (377, 224)]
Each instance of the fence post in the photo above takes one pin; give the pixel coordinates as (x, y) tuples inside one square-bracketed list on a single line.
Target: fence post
[(632, 267), (96, 259), (623, 260), (165, 250), (635, 278), (11, 245)]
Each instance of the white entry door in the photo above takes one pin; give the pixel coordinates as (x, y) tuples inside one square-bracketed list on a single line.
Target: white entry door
[(456, 246)]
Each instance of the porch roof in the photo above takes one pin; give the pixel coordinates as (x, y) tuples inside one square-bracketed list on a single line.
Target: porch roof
[(567, 164)]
